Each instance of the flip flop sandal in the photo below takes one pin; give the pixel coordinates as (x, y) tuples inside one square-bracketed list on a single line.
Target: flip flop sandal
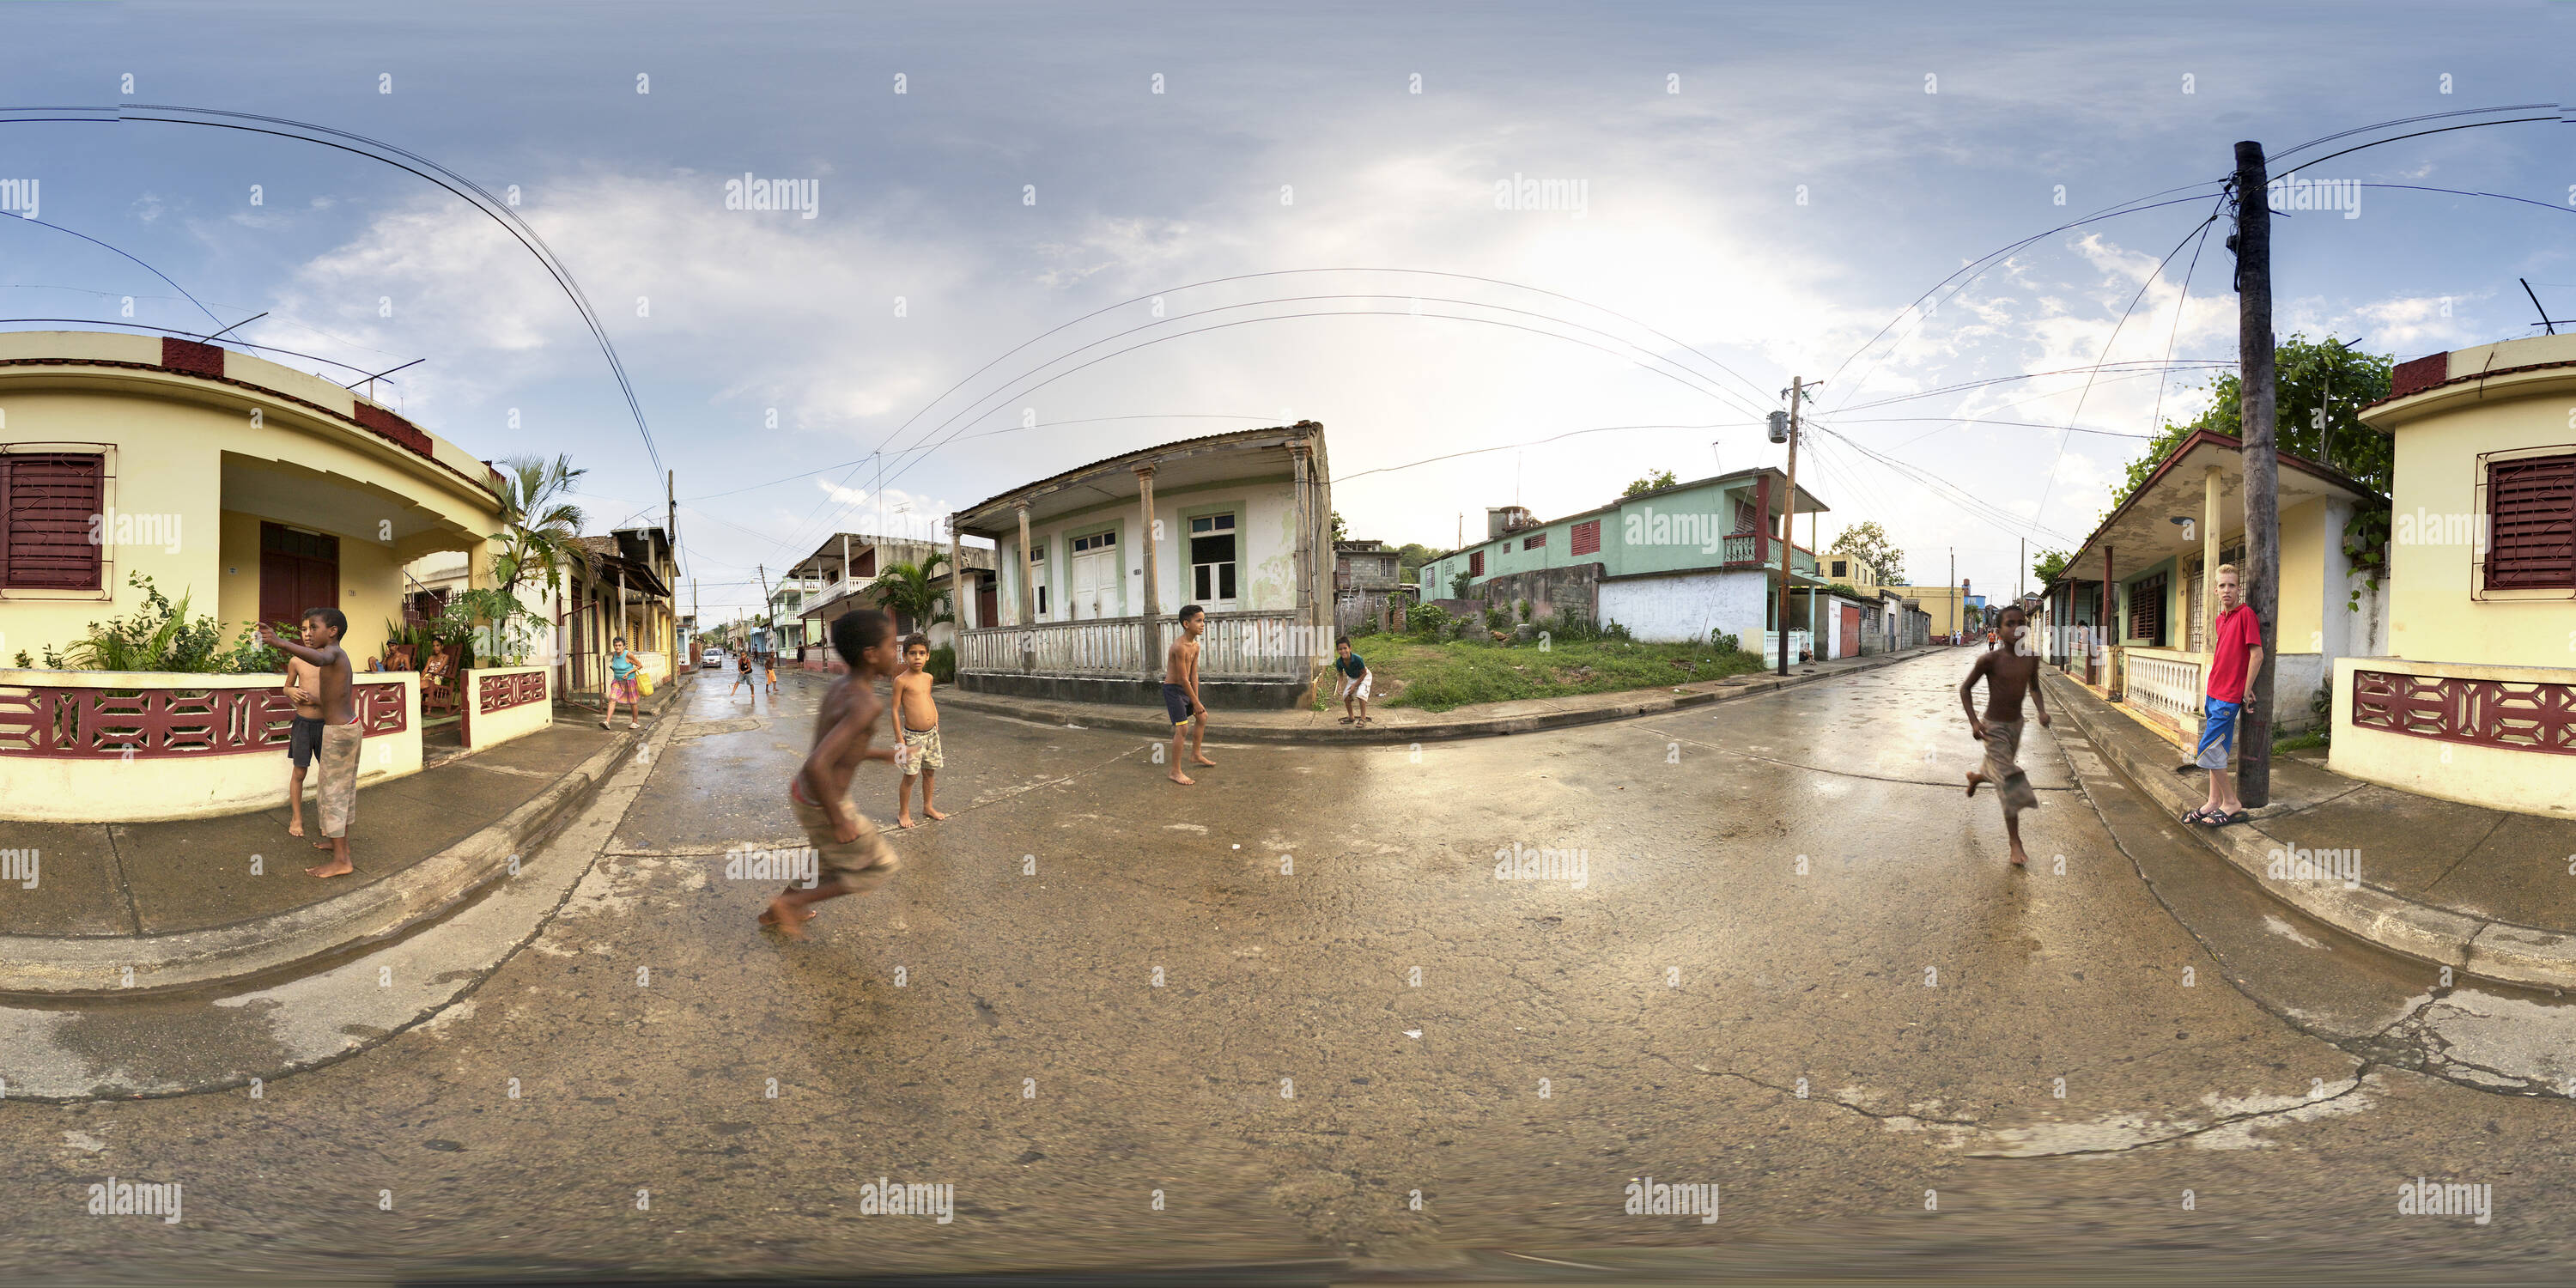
[(2223, 820), (1348, 720), (2199, 816)]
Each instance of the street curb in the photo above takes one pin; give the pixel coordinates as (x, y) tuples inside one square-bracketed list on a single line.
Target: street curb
[(1436, 731), (73, 969), (2502, 951)]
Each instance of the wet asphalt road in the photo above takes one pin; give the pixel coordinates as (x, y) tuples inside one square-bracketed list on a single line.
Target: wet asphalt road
[(1298, 1004)]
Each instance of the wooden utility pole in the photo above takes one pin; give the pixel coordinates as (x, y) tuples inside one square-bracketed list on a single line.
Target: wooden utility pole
[(1789, 516), (2254, 411)]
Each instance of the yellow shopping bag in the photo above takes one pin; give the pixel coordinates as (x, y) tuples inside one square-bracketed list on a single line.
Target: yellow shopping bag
[(643, 682)]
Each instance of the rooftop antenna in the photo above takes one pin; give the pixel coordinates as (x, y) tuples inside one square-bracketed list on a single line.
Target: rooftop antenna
[(2535, 303), (370, 381), (244, 322)]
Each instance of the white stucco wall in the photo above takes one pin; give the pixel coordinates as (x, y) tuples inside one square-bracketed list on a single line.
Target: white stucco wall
[(1687, 607), (1265, 550)]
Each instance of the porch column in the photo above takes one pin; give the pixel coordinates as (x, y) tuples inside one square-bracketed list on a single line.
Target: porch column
[(1762, 530), (1028, 594), (2107, 631), (1299, 472), (956, 576), (2209, 560), (1150, 631)]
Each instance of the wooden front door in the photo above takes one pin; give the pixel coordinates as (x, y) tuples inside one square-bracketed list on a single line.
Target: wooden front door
[(297, 571), (1850, 633)]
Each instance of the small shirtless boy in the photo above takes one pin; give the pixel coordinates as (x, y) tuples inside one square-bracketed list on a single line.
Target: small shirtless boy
[(303, 687), (853, 858), (1181, 693), (916, 726), (2010, 671), (341, 732)]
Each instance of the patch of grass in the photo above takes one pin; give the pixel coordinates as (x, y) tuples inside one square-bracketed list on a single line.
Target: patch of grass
[(2299, 741), (1439, 676)]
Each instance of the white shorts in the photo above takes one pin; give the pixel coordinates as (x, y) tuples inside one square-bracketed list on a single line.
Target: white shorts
[(1358, 688)]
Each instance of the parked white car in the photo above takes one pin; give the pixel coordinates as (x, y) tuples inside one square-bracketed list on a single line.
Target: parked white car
[(711, 659)]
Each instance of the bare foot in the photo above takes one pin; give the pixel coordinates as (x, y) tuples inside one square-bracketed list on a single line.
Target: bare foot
[(932, 814), (1183, 779), (323, 844), (784, 918), (2019, 859), (295, 826), (335, 868), (903, 820), (1975, 781), (1197, 759)]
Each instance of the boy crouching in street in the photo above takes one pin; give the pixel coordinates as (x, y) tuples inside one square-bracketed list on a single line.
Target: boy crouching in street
[(2010, 671), (853, 858), (1356, 682), (916, 727)]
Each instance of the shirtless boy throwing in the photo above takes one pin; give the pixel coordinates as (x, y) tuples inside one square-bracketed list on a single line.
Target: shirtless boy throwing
[(1181, 693), (303, 687), (916, 726), (853, 858), (341, 732), (2010, 671)]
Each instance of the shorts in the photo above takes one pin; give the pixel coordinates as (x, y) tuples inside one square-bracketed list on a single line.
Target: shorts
[(2217, 733), (622, 690), (861, 865), (2003, 766), (304, 740), (1358, 688), (921, 750), (773, 675), (1176, 703), (340, 776)]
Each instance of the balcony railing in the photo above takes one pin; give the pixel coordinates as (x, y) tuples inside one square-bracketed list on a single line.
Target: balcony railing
[(1263, 645), (2165, 684)]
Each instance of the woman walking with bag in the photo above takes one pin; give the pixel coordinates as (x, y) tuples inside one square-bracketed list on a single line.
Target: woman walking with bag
[(622, 667)]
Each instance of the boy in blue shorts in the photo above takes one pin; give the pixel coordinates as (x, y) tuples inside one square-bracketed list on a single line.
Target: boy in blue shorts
[(1181, 693)]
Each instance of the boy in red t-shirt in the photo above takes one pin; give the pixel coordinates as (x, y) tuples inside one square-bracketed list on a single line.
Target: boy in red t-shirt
[(2236, 654)]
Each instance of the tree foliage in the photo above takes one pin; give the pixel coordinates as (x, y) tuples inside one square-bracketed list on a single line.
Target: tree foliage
[(540, 535), (906, 591), (1867, 542), (2319, 389), (2049, 564), (1654, 481)]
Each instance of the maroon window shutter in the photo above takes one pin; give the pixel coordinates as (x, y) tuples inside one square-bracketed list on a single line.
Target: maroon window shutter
[(1587, 538), (47, 503), (2531, 523)]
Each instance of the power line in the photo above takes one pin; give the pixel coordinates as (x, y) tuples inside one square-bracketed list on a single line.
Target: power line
[(1087, 420)]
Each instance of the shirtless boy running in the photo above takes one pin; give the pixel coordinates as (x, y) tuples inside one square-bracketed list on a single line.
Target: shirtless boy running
[(1181, 693), (2010, 671), (916, 727), (853, 858)]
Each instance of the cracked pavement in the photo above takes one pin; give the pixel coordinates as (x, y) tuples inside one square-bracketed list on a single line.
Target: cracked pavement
[(1296, 999)]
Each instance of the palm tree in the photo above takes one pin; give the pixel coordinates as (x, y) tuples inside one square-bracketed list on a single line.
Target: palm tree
[(906, 591), (541, 533)]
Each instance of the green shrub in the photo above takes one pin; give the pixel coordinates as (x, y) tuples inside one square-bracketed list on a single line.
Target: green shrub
[(1498, 618), (160, 636), (1427, 619), (1724, 642), (1616, 631), (943, 664)]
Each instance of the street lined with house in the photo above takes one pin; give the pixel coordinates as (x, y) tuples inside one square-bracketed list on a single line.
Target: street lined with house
[(1212, 673)]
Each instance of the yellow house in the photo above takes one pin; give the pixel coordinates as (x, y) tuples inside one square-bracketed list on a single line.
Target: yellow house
[(2475, 699), (2158, 554), (256, 490), (252, 490), (1946, 605)]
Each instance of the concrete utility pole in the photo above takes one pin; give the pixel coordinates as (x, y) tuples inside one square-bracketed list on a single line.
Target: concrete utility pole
[(1958, 602), (1797, 392), (2254, 410)]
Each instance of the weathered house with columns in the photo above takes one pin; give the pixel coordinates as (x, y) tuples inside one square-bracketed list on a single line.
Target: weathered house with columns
[(1094, 565)]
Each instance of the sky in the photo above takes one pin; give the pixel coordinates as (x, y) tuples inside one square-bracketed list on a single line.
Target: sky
[(1030, 236)]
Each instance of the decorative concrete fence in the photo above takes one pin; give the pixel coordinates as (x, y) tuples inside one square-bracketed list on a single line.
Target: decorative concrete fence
[(504, 702), (2498, 736), (134, 746), (2166, 684)]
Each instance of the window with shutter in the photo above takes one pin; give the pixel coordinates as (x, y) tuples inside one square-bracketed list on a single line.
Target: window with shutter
[(1476, 563), (47, 503), (1587, 538), (2531, 523)]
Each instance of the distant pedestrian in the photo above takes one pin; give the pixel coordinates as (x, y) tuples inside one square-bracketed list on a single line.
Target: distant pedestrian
[(1181, 693), (916, 729), (2009, 673), (1356, 681), (341, 732), (303, 737), (769, 663), (622, 668), (851, 857), (2235, 656)]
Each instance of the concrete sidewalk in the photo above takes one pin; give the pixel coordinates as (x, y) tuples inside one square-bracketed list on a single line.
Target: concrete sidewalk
[(2483, 891), (1409, 724), (143, 907)]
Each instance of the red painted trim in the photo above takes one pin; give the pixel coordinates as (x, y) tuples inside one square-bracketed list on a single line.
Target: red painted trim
[(2417, 376), (392, 428), (51, 723), (2395, 391), (264, 391), (191, 357)]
